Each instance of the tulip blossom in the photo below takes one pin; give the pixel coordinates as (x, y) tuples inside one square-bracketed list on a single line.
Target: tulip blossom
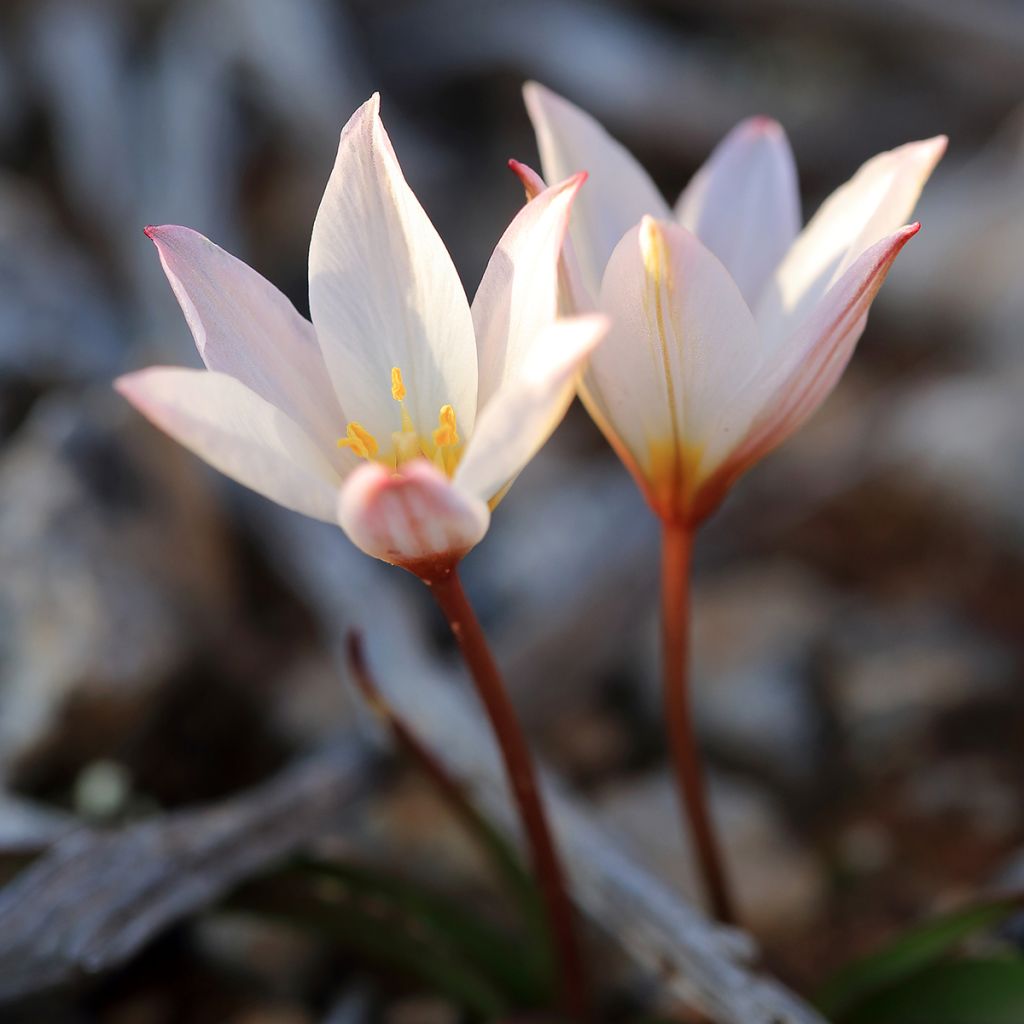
[(401, 412), (730, 325)]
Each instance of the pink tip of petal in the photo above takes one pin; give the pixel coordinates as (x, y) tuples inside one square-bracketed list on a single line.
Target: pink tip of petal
[(532, 182), (762, 124), (150, 231)]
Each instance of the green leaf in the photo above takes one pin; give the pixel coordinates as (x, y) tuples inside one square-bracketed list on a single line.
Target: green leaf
[(961, 992), (372, 931), (913, 951), (518, 967)]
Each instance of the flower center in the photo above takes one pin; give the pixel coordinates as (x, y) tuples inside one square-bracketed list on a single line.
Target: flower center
[(443, 447)]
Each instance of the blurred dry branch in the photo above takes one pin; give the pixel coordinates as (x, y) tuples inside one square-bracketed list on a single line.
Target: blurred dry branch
[(98, 897)]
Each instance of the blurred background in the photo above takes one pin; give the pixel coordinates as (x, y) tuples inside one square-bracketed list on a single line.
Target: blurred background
[(167, 639)]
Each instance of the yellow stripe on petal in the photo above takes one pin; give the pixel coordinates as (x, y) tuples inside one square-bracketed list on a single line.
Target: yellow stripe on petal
[(674, 472)]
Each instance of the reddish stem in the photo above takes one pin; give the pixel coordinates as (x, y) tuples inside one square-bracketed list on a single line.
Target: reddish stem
[(677, 545), (447, 589)]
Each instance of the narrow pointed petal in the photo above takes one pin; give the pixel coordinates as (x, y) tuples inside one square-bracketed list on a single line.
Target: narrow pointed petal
[(244, 327), (523, 414), (383, 291), (518, 294), (744, 203), (810, 363), (682, 341), (574, 299), (619, 191), (412, 519), (239, 433), (870, 206)]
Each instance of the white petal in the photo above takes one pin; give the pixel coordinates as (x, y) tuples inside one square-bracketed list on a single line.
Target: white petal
[(809, 364), (574, 298), (744, 204), (244, 327), (412, 518), (682, 342), (871, 205), (526, 410), (619, 191), (383, 291), (238, 432), (518, 294)]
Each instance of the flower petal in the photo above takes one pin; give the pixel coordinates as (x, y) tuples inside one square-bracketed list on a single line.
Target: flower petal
[(812, 361), (383, 291), (619, 191), (525, 411), (412, 518), (238, 432), (573, 296), (518, 294), (682, 342), (744, 204), (244, 327), (871, 205)]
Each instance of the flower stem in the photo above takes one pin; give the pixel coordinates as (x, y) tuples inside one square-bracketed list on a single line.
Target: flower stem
[(447, 589), (677, 545)]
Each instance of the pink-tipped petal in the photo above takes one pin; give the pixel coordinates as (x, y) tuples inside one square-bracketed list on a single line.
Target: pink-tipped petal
[(239, 433), (574, 298), (744, 204), (525, 411), (533, 183), (810, 364), (415, 518), (383, 291), (244, 327), (518, 294), (618, 193), (870, 206)]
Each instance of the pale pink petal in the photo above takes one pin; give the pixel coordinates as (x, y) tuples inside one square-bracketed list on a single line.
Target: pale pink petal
[(518, 294), (244, 327), (681, 344), (871, 205), (523, 414), (238, 432), (573, 297), (413, 518), (619, 191), (383, 292), (744, 204), (808, 365)]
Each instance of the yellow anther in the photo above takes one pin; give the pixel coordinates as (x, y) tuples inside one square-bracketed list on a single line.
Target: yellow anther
[(397, 385), (446, 432), (360, 440)]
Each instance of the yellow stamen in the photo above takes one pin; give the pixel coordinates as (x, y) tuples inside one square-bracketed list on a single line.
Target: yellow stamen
[(442, 446), (398, 394), (360, 440), (397, 385), (446, 432)]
